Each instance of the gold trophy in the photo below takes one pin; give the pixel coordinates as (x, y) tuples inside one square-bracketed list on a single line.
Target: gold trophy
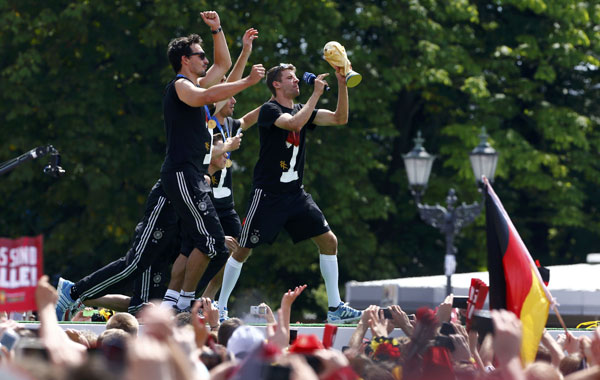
[(335, 54)]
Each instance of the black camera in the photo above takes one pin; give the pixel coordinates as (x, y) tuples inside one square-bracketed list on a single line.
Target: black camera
[(444, 341), (447, 329), (387, 314), (460, 302)]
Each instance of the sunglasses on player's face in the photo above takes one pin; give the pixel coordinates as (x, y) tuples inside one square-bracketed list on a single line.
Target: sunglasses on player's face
[(200, 55)]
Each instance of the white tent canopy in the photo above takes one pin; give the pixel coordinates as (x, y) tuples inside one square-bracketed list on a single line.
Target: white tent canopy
[(575, 287)]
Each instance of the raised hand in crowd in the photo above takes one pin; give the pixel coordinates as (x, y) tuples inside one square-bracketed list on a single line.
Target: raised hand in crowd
[(507, 343), (268, 316), (287, 300), (556, 351), (198, 323), (61, 349), (585, 344), (290, 296), (210, 312), (461, 339), (400, 319), (569, 342), (461, 352), (362, 327), (378, 324), (444, 311), (473, 338), (279, 334)]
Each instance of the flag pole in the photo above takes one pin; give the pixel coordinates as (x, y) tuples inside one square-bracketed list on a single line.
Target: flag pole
[(560, 320)]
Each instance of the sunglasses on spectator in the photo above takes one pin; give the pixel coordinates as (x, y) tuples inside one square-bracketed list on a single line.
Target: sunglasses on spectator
[(200, 55)]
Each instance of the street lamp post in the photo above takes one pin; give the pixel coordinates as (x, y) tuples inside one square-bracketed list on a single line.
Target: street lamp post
[(450, 219)]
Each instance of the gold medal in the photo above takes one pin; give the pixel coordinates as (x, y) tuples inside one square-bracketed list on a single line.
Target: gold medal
[(212, 124), (228, 163)]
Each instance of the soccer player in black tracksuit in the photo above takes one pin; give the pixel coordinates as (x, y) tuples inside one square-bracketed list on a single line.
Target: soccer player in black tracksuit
[(154, 236), (189, 150), (278, 199), (185, 122)]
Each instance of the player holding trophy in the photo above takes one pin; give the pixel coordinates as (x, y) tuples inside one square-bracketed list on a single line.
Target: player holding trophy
[(278, 200)]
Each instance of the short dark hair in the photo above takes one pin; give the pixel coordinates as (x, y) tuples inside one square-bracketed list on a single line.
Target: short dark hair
[(179, 47), (226, 330), (274, 74)]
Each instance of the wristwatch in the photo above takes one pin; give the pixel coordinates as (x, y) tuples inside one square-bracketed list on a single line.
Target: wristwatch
[(216, 30)]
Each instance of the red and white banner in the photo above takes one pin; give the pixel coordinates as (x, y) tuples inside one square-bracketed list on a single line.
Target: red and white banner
[(21, 266)]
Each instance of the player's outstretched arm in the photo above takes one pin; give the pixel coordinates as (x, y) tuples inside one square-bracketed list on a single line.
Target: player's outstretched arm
[(238, 69), (340, 116), (222, 59), (250, 118), (196, 97)]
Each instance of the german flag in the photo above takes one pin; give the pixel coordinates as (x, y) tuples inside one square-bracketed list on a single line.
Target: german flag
[(515, 282)]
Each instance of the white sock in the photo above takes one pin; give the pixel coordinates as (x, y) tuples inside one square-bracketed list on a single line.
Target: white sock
[(233, 268), (329, 271), (170, 299), (185, 300)]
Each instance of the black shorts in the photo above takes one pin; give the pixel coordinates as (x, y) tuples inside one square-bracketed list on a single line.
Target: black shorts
[(186, 189), (267, 213), (230, 221)]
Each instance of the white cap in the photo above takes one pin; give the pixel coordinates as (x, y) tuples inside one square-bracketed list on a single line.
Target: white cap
[(244, 340)]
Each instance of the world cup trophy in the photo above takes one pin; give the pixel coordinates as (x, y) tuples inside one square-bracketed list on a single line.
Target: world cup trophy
[(335, 54)]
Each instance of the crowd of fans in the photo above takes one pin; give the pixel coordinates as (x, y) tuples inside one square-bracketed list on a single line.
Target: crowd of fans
[(193, 345)]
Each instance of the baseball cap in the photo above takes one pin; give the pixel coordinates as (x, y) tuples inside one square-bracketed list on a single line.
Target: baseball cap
[(244, 340)]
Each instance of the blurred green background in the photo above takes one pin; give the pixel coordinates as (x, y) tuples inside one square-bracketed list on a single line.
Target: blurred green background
[(88, 77)]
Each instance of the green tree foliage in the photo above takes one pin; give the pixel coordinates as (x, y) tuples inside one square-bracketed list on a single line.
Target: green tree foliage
[(87, 77)]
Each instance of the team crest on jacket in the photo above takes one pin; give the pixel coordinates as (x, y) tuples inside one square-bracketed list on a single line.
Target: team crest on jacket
[(157, 235), (254, 239), (202, 206), (157, 278)]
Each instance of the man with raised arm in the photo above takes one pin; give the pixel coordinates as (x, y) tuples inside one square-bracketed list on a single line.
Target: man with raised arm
[(189, 127), (278, 199), (221, 182), (160, 223)]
